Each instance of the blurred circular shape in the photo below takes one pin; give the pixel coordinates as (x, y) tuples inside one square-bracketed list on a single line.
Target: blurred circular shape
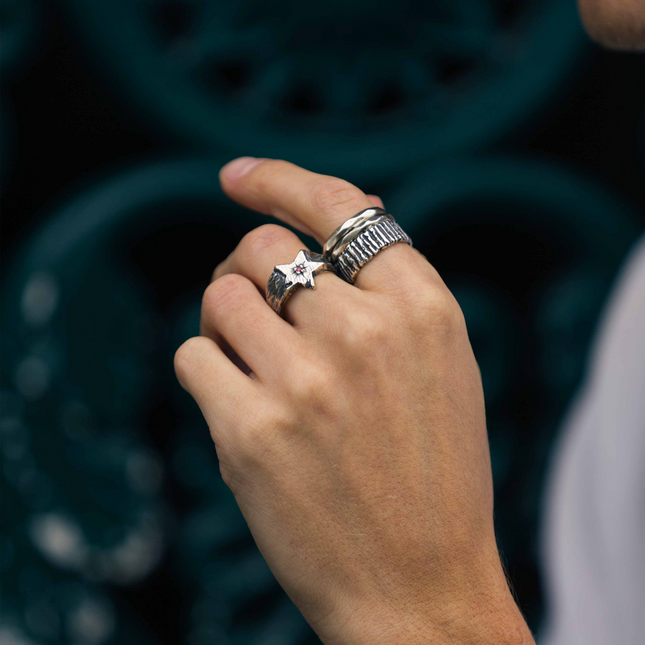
[(76, 506), (32, 377), (13, 636), (39, 299), (92, 621), (354, 89), (144, 471)]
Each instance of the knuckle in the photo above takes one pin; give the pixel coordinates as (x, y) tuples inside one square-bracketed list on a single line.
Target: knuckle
[(332, 192), (264, 237), (261, 435), (364, 331), (436, 307), (229, 475), (311, 385), (187, 357), (226, 291)]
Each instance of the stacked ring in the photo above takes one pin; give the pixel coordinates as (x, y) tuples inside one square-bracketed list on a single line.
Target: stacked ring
[(357, 220), (357, 240)]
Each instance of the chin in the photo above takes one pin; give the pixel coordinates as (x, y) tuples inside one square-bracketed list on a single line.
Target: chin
[(618, 24)]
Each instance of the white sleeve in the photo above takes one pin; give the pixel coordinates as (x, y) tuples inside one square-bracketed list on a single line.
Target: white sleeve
[(594, 522)]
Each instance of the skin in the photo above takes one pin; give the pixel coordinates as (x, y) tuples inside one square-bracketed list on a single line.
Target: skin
[(619, 24), (352, 432)]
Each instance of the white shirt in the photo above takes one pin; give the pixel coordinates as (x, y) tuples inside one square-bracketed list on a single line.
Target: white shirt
[(594, 524)]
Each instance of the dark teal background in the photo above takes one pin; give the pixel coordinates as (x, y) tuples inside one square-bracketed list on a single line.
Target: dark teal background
[(509, 147)]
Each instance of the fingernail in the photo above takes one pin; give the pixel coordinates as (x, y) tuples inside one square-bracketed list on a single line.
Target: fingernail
[(235, 169)]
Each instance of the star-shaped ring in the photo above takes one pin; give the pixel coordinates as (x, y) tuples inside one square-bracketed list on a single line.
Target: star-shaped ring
[(286, 278)]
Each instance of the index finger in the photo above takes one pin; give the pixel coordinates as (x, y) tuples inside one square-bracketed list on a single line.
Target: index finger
[(317, 205), (313, 203)]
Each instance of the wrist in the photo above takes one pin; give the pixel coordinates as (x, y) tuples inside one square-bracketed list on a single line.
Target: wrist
[(503, 625), (488, 616)]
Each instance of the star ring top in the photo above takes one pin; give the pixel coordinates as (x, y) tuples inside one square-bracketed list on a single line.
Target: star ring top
[(286, 278)]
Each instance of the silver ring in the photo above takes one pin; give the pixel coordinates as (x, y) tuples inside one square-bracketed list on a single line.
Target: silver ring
[(356, 220), (286, 278), (364, 247), (354, 232)]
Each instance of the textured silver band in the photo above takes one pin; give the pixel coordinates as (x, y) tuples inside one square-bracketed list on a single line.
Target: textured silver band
[(351, 234), (362, 249)]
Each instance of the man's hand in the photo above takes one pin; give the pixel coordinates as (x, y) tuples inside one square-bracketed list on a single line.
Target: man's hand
[(355, 442)]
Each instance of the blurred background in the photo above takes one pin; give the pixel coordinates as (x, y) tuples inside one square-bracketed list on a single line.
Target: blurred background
[(510, 148)]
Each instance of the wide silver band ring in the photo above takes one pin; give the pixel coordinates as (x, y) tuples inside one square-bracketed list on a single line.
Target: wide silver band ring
[(286, 278), (366, 245)]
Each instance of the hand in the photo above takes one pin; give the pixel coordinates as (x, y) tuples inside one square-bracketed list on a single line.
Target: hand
[(355, 442)]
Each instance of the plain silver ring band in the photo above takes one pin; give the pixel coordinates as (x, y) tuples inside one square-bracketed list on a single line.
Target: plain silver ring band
[(347, 225), (354, 232)]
